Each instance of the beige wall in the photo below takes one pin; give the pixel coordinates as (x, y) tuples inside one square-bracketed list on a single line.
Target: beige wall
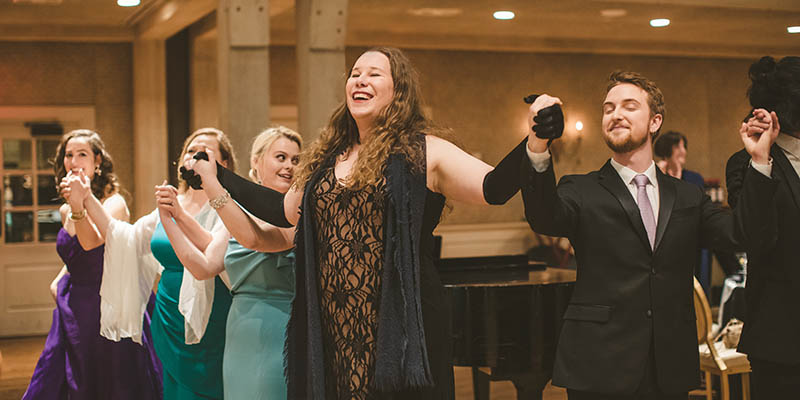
[(477, 94), (69, 74)]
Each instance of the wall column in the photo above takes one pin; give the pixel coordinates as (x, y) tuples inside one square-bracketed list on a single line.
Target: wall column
[(149, 122), (321, 30), (243, 59)]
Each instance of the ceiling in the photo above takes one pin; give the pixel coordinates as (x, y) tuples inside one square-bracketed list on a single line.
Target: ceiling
[(722, 28)]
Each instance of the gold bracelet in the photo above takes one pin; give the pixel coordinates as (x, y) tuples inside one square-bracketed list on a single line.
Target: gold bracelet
[(79, 216), (220, 201)]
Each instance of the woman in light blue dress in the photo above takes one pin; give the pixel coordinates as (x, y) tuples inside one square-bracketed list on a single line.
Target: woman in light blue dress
[(259, 262)]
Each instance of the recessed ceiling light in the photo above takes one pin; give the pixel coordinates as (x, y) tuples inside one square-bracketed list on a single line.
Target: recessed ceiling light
[(128, 3), (579, 126), (435, 12), (793, 29), (614, 12), (659, 22), (503, 15)]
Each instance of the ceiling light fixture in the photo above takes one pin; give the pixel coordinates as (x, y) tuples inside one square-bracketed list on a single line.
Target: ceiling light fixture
[(659, 22), (793, 29), (613, 13), (128, 3), (503, 15), (434, 12), (579, 126)]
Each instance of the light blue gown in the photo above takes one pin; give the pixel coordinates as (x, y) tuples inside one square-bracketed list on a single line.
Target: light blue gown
[(262, 285)]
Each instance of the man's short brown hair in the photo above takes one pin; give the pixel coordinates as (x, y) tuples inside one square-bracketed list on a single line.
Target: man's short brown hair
[(655, 99)]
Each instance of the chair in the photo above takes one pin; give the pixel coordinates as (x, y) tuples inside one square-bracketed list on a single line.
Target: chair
[(714, 357)]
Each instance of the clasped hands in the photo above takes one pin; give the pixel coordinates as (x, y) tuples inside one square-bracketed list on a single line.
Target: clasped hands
[(759, 133), (75, 188), (192, 171), (545, 120)]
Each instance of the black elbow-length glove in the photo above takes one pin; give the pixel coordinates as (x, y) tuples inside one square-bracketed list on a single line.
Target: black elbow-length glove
[(264, 203)]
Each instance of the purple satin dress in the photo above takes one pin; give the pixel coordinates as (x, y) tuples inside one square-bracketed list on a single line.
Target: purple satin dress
[(78, 363)]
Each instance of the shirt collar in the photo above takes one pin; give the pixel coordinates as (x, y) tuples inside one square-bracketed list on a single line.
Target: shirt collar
[(628, 174), (789, 144)]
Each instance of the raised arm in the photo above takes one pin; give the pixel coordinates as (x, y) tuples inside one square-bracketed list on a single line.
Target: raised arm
[(167, 198), (77, 190), (201, 264), (264, 203), (459, 176), (248, 231)]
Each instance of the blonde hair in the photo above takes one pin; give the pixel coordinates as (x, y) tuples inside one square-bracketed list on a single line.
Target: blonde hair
[(264, 141), (396, 129), (225, 151)]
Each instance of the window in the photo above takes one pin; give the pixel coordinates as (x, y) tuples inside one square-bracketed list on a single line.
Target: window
[(29, 199)]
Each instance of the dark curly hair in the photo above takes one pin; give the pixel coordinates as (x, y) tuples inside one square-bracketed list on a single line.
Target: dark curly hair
[(775, 86), (104, 183)]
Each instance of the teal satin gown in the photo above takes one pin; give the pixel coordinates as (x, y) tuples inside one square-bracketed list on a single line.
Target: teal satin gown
[(263, 288), (190, 371)]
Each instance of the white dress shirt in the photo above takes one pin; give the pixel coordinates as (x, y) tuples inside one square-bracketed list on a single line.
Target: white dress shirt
[(540, 161), (791, 148)]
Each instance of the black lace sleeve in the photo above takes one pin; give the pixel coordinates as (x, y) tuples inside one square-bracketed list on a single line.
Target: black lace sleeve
[(503, 182), (265, 203)]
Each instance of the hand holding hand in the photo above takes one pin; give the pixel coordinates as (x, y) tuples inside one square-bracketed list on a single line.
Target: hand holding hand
[(191, 171), (167, 200), (206, 167), (759, 133), (77, 188), (546, 121)]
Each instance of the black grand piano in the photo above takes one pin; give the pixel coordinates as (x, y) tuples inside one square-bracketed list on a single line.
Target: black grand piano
[(506, 319)]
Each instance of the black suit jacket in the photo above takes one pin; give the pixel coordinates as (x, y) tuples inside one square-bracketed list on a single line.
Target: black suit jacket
[(772, 318), (628, 296)]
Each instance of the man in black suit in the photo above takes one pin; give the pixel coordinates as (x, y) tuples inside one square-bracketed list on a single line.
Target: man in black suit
[(772, 316), (629, 331)]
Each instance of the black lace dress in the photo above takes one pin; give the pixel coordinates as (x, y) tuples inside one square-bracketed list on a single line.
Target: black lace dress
[(350, 232)]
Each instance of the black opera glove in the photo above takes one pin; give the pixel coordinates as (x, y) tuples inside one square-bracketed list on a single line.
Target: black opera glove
[(192, 179), (503, 182), (549, 120), (264, 203)]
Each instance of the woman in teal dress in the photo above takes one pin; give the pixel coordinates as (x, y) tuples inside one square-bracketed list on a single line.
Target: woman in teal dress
[(260, 263), (188, 322)]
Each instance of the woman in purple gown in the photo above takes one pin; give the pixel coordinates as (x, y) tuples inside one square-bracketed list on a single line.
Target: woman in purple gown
[(78, 363)]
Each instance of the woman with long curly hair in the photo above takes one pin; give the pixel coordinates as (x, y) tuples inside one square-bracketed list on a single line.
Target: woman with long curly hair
[(370, 319), (77, 362), (189, 316)]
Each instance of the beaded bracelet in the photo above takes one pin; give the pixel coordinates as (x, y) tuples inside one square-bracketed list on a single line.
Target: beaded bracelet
[(220, 201)]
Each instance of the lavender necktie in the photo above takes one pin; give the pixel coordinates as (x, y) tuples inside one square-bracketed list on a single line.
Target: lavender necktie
[(645, 208)]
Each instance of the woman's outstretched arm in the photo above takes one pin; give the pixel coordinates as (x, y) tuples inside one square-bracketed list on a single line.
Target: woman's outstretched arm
[(264, 203)]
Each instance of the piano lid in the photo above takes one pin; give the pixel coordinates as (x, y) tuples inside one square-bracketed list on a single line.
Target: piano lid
[(497, 271)]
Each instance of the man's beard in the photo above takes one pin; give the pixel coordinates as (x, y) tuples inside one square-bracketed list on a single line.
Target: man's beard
[(627, 145)]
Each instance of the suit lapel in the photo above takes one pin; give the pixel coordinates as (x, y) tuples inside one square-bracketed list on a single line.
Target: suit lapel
[(610, 179), (666, 195), (787, 171)]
